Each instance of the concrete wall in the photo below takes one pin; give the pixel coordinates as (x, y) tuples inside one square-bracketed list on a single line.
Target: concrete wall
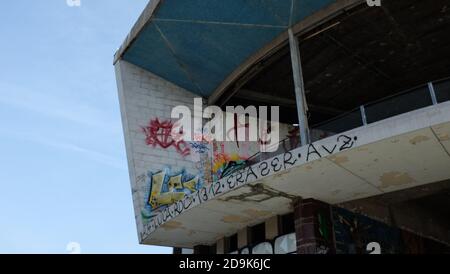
[(146, 98), (162, 170)]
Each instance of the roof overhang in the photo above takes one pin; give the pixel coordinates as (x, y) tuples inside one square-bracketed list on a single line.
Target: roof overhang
[(203, 46)]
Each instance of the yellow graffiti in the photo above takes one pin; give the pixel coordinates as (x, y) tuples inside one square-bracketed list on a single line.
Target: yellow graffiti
[(175, 186), (222, 159)]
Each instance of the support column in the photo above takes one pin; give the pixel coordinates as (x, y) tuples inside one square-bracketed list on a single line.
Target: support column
[(272, 228), (313, 227), (243, 236), (302, 107), (220, 246)]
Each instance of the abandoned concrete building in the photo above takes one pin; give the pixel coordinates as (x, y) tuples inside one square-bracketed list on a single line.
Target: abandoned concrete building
[(363, 164)]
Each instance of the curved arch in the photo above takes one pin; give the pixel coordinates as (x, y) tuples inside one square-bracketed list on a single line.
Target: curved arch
[(305, 25)]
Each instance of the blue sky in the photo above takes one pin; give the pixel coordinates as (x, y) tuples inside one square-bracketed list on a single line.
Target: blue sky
[(63, 169)]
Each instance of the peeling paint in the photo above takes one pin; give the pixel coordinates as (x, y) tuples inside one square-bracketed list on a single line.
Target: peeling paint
[(172, 225), (339, 159), (232, 219), (444, 137), (395, 178), (419, 139)]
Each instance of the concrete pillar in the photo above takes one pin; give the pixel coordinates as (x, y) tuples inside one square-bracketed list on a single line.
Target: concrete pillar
[(243, 238), (313, 227), (220, 246), (302, 106), (272, 228)]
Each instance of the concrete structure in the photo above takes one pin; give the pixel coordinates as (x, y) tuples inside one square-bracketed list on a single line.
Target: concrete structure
[(366, 171)]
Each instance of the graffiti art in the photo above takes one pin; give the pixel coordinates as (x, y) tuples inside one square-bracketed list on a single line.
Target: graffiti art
[(166, 188), (162, 134)]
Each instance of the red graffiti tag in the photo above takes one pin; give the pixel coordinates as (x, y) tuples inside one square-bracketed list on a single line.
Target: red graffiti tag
[(160, 134)]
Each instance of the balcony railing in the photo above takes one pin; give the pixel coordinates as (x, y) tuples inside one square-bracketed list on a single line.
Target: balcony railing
[(419, 97)]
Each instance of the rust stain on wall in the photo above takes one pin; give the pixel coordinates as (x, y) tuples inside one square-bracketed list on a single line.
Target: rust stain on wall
[(395, 178), (419, 139)]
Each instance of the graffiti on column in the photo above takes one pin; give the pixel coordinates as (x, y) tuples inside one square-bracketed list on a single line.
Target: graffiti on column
[(160, 134)]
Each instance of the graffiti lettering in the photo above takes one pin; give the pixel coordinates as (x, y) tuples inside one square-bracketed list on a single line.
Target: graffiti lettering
[(200, 147), (289, 160), (166, 189), (311, 151), (264, 168), (347, 142), (161, 134), (235, 178), (250, 172), (328, 150)]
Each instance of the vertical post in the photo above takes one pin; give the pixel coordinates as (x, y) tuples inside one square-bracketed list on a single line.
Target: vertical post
[(314, 227), (432, 93), (302, 107), (363, 115)]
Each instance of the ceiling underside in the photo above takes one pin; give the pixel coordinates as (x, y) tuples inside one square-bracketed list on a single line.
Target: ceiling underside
[(358, 57), (196, 44)]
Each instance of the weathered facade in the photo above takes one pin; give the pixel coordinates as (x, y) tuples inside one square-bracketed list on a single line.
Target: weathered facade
[(365, 126)]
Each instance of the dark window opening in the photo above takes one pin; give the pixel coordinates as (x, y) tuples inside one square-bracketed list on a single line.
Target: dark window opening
[(231, 243), (287, 224), (257, 234)]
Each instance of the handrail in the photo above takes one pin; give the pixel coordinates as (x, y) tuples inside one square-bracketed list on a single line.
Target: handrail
[(361, 110)]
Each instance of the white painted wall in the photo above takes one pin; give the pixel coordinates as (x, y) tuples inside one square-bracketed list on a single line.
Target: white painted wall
[(144, 96)]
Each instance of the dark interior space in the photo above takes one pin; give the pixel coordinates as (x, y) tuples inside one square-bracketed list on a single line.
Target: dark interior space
[(257, 234), (231, 243), (422, 210), (358, 57)]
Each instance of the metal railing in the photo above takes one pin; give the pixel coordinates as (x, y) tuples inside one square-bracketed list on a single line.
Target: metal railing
[(419, 97)]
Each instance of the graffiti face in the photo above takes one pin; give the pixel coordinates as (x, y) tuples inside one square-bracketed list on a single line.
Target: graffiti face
[(166, 188), (161, 134)]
